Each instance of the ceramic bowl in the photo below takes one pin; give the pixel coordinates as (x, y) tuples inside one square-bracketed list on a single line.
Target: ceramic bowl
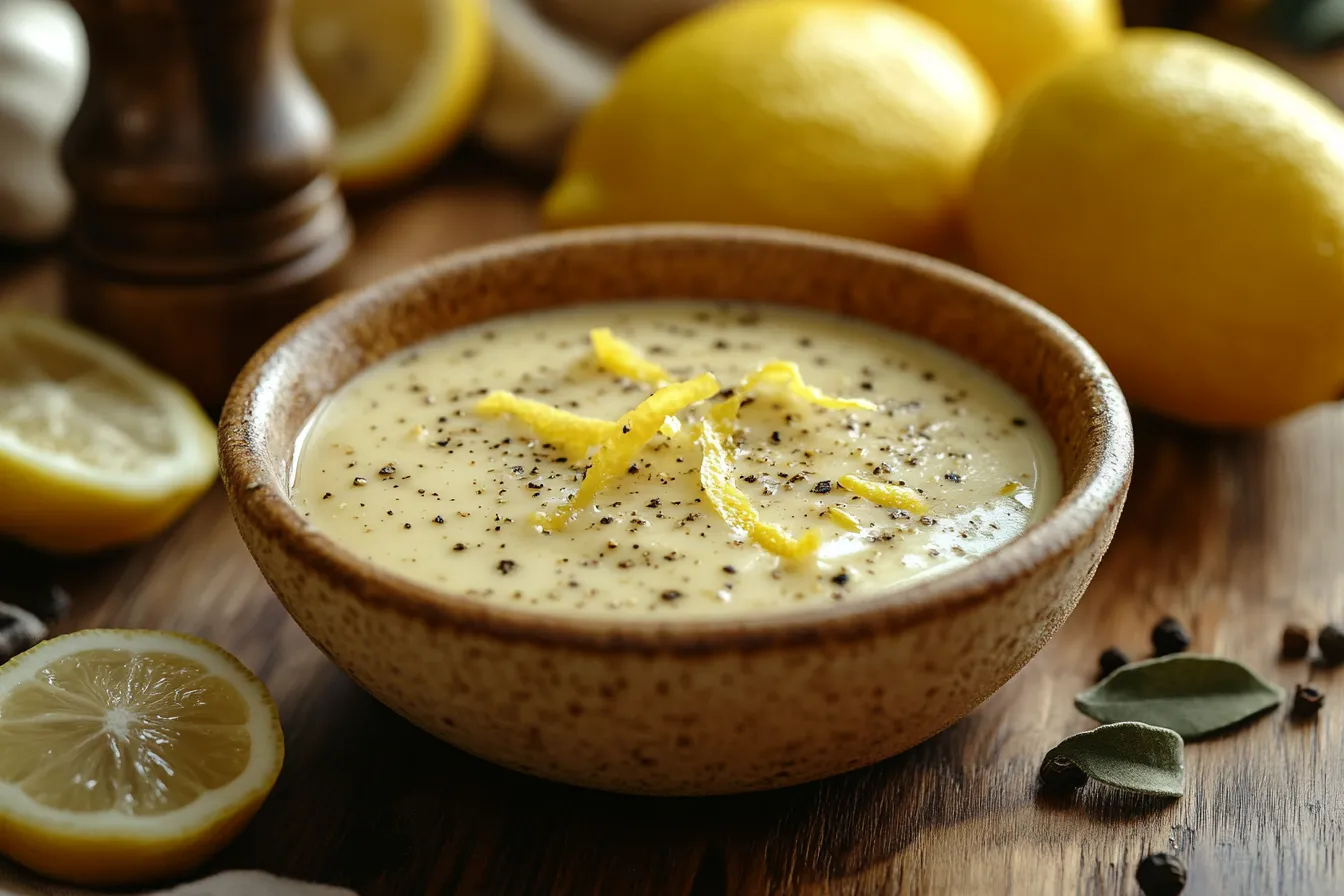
[(697, 706)]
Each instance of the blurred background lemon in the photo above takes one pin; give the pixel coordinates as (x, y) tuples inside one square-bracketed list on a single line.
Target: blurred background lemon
[(1179, 202), (853, 117), (1020, 41)]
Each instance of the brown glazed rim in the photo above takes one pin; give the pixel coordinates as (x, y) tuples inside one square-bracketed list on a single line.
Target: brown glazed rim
[(261, 501)]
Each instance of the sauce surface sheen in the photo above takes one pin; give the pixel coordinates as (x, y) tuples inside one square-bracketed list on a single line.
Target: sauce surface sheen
[(400, 469)]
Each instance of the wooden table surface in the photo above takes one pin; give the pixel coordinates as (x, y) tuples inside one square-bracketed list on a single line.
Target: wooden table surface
[(1234, 535)]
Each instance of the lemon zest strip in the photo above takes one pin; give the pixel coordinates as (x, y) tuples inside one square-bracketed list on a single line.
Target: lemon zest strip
[(787, 375), (617, 356), (884, 493), (731, 503), (571, 432), (633, 431), (844, 520)]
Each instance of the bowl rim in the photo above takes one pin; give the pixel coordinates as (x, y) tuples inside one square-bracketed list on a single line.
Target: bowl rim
[(259, 501)]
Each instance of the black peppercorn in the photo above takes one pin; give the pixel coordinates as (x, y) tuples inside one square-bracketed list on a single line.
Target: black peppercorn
[(1161, 874), (1307, 701), (1169, 637), (1296, 642), (1060, 775), (822, 487), (1331, 642), (1112, 658), (670, 596)]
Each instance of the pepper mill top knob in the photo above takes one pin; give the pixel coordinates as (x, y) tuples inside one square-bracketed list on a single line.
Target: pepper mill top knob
[(205, 216)]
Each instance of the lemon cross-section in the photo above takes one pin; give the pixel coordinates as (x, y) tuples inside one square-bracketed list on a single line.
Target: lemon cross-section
[(96, 449), (130, 756)]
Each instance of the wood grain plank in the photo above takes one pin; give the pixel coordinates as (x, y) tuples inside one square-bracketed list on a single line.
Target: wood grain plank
[(1235, 535)]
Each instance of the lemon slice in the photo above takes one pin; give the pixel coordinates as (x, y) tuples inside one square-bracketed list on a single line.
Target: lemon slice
[(130, 756), (401, 79), (96, 449)]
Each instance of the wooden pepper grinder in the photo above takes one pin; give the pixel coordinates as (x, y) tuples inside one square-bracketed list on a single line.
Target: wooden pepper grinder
[(205, 214)]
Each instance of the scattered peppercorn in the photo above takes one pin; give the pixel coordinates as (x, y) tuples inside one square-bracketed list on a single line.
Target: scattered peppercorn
[(459, 547), (1331, 641), (326, 496), (387, 470), (406, 525), (1296, 642), (507, 566), (633, 468), (1161, 874), (671, 595), (1307, 701), (775, 437), (730, 570), (1112, 658), (822, 487), (1169, 637), (840, 578), (952, 477), (439, 519), (1060, 775), (606, 521)]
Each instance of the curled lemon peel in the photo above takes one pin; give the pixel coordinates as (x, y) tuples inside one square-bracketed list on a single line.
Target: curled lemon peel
[(633, 432), (731, 503), (884, 493), (617, 356), (844, 520), (787, 375), (571, 432)]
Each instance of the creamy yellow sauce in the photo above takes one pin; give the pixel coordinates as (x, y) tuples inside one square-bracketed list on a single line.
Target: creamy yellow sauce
[(401, 469)]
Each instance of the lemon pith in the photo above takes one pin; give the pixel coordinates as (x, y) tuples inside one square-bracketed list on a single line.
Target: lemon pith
[(401, 78), (96, 449), (130, 756)]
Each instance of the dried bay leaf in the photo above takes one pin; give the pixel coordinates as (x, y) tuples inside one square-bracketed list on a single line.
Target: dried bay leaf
[(1192, 695), (1129, 755)]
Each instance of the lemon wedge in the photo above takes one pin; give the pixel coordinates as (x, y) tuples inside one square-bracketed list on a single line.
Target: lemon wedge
[(401, 79), (130, 756), (96, 449)]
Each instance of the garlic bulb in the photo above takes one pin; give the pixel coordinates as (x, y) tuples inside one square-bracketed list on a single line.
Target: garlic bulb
[(43, 64)]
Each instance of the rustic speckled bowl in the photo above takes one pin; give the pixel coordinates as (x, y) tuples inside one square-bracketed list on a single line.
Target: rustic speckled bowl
[(698, 706)]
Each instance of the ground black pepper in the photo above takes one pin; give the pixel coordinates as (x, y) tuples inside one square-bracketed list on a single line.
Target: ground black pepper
[(1296, 642), (822, 487), (671, 595), (1161, 874), (1169, 637), (1331, 641), (439, 519), (840, 578), (507, 566), (952, 477), (1112, 658), (1307, 701)]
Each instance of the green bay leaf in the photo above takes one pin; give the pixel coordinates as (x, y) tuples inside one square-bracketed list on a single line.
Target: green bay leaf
[(1192, 695), (1129, 755)]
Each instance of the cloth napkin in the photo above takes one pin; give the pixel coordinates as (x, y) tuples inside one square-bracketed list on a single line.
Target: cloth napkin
[(14, 881)]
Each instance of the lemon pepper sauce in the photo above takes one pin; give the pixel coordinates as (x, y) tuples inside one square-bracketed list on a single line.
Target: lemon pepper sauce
[(400, 468)]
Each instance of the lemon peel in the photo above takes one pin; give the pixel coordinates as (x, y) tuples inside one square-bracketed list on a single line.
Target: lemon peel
[(634, 430), (617, 356), (784, 374), (731, 503), (884, 493), (844, 520), (570, 432)]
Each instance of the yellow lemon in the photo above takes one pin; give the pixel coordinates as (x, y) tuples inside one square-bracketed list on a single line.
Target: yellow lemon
[(130, 756), (401, 79), (853, 117), (1178, 201), (96, 449), (1019, 41)]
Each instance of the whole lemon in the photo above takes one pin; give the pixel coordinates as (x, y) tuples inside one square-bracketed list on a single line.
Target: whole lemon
[(1019, 41), (852, 117), (1181, 203)]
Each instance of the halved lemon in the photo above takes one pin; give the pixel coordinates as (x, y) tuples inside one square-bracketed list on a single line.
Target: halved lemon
[(401, 79), (96, 449), (130, 756)]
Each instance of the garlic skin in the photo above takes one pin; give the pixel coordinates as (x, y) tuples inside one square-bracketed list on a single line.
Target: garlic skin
[(43, 66)]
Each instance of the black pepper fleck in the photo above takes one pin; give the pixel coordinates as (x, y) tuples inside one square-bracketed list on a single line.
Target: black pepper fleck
[(360, 480), (952, 477), (840, 578), (507, 566), (822, 487), (671, 595), (1169, 637), (439, 519)]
